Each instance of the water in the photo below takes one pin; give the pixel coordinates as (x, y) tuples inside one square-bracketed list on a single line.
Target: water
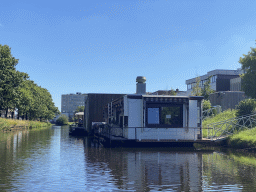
[(51, 160)]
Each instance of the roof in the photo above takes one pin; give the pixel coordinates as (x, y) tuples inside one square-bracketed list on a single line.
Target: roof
[(80, 113)]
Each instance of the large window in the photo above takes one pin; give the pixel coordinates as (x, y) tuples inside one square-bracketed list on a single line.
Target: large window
[(164, 115)]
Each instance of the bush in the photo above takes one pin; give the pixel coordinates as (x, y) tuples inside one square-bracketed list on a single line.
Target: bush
[(206, 105), (62, 120), (246, 107)]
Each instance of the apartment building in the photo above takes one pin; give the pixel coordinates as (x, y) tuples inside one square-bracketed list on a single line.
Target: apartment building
[(70, 102), (219, 79)]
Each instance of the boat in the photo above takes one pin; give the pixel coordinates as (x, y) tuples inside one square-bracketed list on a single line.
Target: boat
[(77, 129)]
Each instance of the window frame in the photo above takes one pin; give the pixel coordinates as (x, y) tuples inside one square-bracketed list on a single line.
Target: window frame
[(161, 125)]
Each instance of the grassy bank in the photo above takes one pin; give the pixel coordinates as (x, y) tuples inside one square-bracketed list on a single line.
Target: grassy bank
[(8, 124), (225, 115), (243, 139), (240, 140)]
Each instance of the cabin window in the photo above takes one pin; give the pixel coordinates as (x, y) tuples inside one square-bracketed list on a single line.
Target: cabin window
[(153, 115), (164, 115)]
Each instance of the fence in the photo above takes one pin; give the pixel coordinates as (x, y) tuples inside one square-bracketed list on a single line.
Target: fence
[(144, 133), (228, 127), (209, 112)]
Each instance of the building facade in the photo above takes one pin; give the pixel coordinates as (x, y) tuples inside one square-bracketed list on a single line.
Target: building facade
[(227, 99), (219, 79), (236, 84), (70, 102)]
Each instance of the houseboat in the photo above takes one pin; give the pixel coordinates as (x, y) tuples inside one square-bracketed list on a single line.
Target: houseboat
[(139, 118), (77, 129)]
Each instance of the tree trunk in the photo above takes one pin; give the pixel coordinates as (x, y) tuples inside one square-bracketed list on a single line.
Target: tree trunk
[(6, 112)]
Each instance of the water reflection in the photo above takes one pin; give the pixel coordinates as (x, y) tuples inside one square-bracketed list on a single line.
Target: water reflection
[(149, 169), (51, 160), (229, 171), (15, 150)]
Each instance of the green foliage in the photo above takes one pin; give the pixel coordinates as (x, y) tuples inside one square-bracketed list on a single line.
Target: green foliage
[(246, 107), (206, 91), (206, 105), (36, 102), (7, 124), (196, 90), (225, 115), (10, 79), (62, 120), (243, 139), (17, 92), (80, 109), (248, 63)]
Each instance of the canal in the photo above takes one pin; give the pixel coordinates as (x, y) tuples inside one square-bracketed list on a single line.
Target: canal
[(51, 160)]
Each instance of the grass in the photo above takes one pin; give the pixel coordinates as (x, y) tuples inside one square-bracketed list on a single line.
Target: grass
[(7, 124), (225, 115), (239, 140), (243, 139)]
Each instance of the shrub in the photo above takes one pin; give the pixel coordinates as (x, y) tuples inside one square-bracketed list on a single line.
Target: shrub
[(206, 105), (246, 107), (62, 120)]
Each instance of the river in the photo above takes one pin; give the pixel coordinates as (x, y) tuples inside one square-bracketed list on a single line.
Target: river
[(51, 160)]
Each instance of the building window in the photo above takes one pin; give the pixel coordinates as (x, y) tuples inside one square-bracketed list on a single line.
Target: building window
[(213, 79), (164, 115)]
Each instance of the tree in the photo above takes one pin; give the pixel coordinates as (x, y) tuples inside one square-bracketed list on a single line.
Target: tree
[(36, 102), (206, 105), (62, 120), (79, 109), (10, 79), (196, 89), (18, 92), (246, 107), (248, 63), (206, 91)]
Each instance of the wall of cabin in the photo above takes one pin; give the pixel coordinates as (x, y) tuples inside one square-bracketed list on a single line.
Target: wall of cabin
[(135, 107)]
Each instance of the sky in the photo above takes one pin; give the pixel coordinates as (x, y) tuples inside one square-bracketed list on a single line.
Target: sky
[(101, 46)]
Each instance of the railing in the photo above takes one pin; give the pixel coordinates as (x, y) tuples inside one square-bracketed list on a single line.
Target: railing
[(210, 112), (145, 133), (228, 127)]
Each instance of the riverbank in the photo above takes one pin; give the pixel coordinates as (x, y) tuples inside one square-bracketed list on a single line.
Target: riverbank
[(243, 140), (14, 124)]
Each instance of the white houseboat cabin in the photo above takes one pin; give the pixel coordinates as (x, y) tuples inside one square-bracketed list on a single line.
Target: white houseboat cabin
[(148, 118)]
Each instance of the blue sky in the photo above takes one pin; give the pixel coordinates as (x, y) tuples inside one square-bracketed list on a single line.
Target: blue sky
[(101, 46)]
